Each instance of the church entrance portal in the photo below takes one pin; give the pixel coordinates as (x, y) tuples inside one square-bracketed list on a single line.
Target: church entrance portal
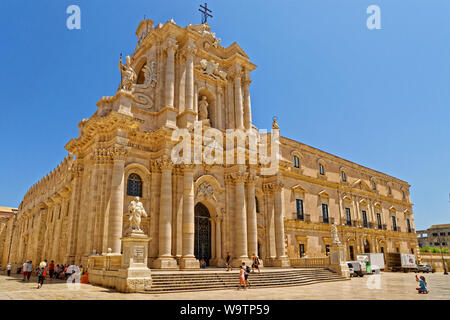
[(202, 246)]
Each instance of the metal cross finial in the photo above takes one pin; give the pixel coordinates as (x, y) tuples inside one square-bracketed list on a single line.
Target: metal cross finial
[(205, 13)]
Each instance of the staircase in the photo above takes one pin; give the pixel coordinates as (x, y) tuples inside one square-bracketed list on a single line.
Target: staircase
[(165, 282)]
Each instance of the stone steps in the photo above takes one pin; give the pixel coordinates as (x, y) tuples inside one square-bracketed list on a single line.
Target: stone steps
[(203, 281)]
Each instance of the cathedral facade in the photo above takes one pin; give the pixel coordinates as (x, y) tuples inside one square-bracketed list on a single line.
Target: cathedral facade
[(179, 80)]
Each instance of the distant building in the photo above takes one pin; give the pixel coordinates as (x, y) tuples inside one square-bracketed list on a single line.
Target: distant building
[(435, 236), (6, 212)]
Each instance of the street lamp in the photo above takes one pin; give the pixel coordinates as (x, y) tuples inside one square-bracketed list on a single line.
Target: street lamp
[(442, 254)]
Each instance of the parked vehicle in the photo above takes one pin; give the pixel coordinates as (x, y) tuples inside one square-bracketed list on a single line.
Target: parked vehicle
[(374, 259), (424, 268), (400, 262), (355, 269)]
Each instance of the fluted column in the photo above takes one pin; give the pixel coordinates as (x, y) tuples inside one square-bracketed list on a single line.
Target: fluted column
[(219, 108), (116, 209), (247, 103), (230, 114), (240, 216), (165, 259), (170, 46), (218, 238), (279, 223), (239, 112), (212, 221), (188, 260), (252, 227), (190, 49)]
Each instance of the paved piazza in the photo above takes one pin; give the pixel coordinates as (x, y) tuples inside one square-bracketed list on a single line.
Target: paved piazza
[(396, 286)]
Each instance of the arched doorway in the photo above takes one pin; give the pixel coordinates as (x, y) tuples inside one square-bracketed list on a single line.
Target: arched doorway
[(202, 238)]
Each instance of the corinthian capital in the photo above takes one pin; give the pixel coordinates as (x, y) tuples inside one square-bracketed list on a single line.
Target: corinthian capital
[(190, 47), (170, 44), (252, 179), (240, 177), (166, 164)]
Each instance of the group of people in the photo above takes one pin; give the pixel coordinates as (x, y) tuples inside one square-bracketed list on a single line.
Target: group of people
[(244, 270), (50, 271)]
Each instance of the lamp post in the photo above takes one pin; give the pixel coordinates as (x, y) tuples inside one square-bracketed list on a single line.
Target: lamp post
[(442, 255)]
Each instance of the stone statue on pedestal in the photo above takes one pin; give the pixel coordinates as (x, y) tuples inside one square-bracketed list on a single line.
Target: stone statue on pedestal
[(334, 234), (203, 109), (136, 211), (128, 76)]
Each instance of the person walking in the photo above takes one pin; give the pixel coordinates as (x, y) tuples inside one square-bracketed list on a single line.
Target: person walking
[(8, 268), (51, 269), (242, 273), (30, 269), (25, 270), (41, 273), (228, 262), (247, 273), (255, 264)]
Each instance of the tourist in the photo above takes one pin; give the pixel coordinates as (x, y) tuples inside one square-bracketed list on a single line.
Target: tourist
[(247, 273), (51, 269), (422, 285), (202, 263), (255, 264), (228, 261), (41, 273), (30, 269), (57, 271), (25, 270), (8, 268), (242, 273)]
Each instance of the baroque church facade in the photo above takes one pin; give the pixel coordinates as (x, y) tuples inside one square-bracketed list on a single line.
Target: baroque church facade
[(178, 77)]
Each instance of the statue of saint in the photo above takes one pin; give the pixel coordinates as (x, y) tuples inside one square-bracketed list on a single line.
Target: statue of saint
[(128, 76), (136, 211), (334, 234), (203, 109)]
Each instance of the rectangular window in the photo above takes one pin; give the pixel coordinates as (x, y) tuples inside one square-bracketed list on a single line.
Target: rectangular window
[(434, 234), (382, 250), (344, 176), (408, 225), (394, 223), (379, 221), (325, 212), (364, 216), (442, 233), (301, 248), (300, 215), (348, 216), (321, 170), (352, 253), (412, 251), (327, 249), (296, 162)]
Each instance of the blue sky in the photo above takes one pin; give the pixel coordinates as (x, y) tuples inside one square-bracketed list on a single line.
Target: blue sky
[(379, 98)]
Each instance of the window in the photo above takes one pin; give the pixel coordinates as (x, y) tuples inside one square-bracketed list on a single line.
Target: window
[(327, 249), (256, 205), (134, 185), (448, 233), (434, 234), (389, 190), (374, 185), (397, 250), (379, 221), (321, 169), (344, 176), (325, 212), (296, 162), (408, 225), (394, 223), (364, 216), (382, 250), (299, 204), (442, 234), (352, 253), (301, 249), (348, 216), (412, 250)]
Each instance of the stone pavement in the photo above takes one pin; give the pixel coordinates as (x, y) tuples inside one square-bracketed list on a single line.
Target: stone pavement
[(395, 286)]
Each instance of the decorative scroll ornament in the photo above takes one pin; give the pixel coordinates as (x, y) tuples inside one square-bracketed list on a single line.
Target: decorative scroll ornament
[(211, 68), (136, 211), (206, 190)]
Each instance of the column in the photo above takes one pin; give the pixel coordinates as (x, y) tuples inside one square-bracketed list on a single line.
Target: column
[(219, 108), (230, 107), (239, 112), (165, 259), (116, 207), (252, 227), (190, 49), (240, 217), (170, 46), (218, 239), (188, 261), (279, 223), (213, 237), (247, 103)]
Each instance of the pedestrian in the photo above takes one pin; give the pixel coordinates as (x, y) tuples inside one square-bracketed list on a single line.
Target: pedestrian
[(30, 269), (228, 261), (202, 263), (25, 270), (41, 273), (51, 269), (255, 264), (422, 285), (8, 268), (242, 273), (247, 273)]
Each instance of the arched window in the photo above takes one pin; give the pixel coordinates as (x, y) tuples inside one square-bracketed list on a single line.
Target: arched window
[(321, 169), (141, 75), (374, 185), (134, 185), (344, 176), (296, 162)]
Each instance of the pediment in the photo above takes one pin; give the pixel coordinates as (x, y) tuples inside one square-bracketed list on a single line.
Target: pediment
[(361, 185)]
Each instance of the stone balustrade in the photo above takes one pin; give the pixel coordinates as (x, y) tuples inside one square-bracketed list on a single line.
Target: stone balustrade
[(318, 262)]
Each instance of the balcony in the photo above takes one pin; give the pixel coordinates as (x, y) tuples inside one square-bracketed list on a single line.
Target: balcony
[(305, 217), (328, 220), (384, 226)]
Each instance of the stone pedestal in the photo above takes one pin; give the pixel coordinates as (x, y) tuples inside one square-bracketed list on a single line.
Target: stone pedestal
[(189, 263), (281, 262), (186, 119), (123, 102), (134, 275), (168, 263), (337, 260), (237, 262), (167, 117)]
